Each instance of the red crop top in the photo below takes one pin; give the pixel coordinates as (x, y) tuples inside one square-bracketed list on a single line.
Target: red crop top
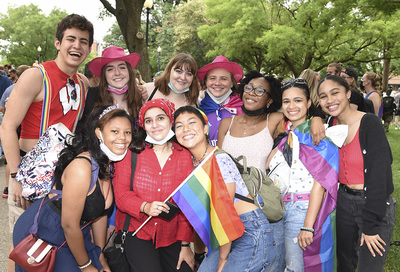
[(351, 162)]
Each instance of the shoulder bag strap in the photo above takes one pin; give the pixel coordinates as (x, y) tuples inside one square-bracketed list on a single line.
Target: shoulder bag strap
[(152, 94), (128, 217)]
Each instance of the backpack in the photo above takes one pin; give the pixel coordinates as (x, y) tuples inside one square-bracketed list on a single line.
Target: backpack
[(388, 104), (37, 167), (261, 188)]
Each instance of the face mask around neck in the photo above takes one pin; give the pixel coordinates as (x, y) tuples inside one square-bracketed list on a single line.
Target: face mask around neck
[(175, 90), (111, 155)]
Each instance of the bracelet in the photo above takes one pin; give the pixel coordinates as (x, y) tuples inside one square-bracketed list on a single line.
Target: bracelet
[(13, 175), (185, 245), (307, 229), (144, 207), (81, 267)]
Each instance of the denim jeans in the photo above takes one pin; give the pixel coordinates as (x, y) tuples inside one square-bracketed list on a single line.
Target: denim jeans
[(254, 251), (293, 220), (349, 225)]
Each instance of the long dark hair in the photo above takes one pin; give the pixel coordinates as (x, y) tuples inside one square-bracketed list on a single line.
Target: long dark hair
[(85, 140), (132, 95)]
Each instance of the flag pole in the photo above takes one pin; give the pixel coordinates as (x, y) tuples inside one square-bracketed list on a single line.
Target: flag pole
[(183, 182), (191, 174)]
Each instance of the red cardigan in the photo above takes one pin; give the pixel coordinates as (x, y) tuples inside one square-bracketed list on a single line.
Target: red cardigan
[(151, 183)]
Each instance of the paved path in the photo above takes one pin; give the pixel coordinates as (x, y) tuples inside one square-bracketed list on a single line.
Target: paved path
[(5, 236)]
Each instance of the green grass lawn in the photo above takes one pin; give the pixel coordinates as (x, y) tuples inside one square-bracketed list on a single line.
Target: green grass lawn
[(393, 259)]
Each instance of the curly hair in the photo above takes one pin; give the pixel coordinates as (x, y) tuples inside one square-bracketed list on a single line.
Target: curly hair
[(85, 140), (74, 21), (274, 84), (376, 81), (180, 60)]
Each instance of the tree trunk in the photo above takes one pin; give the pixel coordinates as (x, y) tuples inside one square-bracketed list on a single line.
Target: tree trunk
[(385, 80), (128, 15)]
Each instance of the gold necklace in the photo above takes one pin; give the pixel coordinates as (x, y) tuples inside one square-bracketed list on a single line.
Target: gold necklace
[(246, 129)]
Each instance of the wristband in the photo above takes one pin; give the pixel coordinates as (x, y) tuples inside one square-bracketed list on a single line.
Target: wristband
[(144, 207), (81, 267), (307, 229), (185, 245), (13, 175)]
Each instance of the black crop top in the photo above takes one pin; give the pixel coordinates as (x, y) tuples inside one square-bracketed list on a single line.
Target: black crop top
[(94, 205)]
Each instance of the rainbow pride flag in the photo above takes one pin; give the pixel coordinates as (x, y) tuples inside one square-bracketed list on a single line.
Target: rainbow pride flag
[(205, 201), (322, 162)]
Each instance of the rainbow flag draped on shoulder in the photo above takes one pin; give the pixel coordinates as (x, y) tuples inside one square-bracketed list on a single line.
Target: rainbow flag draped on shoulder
[(205, 201), (322, 162)]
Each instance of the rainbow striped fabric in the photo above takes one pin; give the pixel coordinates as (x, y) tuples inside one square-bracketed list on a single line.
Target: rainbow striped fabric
[(322, 162), (205, 201)]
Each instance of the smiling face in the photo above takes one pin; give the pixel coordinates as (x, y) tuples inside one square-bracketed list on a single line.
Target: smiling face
[(295, 105), (117, 74), (74, 47), (219, 81), (253, 102), (181, 78), (117, 134), (156, 123), (190, 130), (333, 98)]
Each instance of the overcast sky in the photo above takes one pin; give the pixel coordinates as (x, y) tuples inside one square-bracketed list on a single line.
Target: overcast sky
[(88, 8)]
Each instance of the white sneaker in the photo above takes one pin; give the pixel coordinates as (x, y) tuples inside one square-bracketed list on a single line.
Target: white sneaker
[(396, 128)]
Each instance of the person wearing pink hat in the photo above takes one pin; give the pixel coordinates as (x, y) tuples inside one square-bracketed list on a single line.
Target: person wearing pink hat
[(178, 83), (117, 82), (161, 245), (221, 100)]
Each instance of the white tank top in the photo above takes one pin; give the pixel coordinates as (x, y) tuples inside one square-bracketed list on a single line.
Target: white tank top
[(255, 148)]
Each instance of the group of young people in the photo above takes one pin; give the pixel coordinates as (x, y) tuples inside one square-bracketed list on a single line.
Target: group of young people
[(168, 131)]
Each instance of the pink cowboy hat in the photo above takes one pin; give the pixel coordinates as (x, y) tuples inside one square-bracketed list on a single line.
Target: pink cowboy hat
[(221, 62), (111, 54)]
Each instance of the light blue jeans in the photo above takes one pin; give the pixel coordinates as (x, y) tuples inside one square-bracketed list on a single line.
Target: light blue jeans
[(254, 251), (293, 220)]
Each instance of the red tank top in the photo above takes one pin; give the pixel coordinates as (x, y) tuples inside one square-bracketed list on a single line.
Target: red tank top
[(351, 162), (64, 105)]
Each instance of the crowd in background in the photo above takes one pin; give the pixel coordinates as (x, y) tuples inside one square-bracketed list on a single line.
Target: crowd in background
[(168, 127)]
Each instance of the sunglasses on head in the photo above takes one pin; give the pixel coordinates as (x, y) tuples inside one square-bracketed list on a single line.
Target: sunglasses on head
[(293, 82), (71, 83)]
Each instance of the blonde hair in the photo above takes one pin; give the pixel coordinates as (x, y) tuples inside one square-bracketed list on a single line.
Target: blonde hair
[(376, 81), (312, 81)]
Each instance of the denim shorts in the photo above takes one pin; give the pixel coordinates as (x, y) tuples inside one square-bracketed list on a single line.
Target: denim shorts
[(254, 251)]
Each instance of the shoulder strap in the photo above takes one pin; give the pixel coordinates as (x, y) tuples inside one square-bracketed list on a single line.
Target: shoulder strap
[(46, 101), (229, 129), (81, 104), (133, 167), (152, 94)]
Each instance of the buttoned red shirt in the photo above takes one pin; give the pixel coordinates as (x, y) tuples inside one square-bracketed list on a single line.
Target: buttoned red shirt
[(152, 183)]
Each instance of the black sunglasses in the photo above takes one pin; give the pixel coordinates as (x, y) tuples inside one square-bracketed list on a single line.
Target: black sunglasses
[(71, 83)]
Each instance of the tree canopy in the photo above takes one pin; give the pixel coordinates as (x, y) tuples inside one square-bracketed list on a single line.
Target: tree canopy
[(25, 29)]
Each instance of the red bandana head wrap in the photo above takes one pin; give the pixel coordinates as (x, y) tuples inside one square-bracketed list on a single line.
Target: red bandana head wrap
[(162, 103)]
